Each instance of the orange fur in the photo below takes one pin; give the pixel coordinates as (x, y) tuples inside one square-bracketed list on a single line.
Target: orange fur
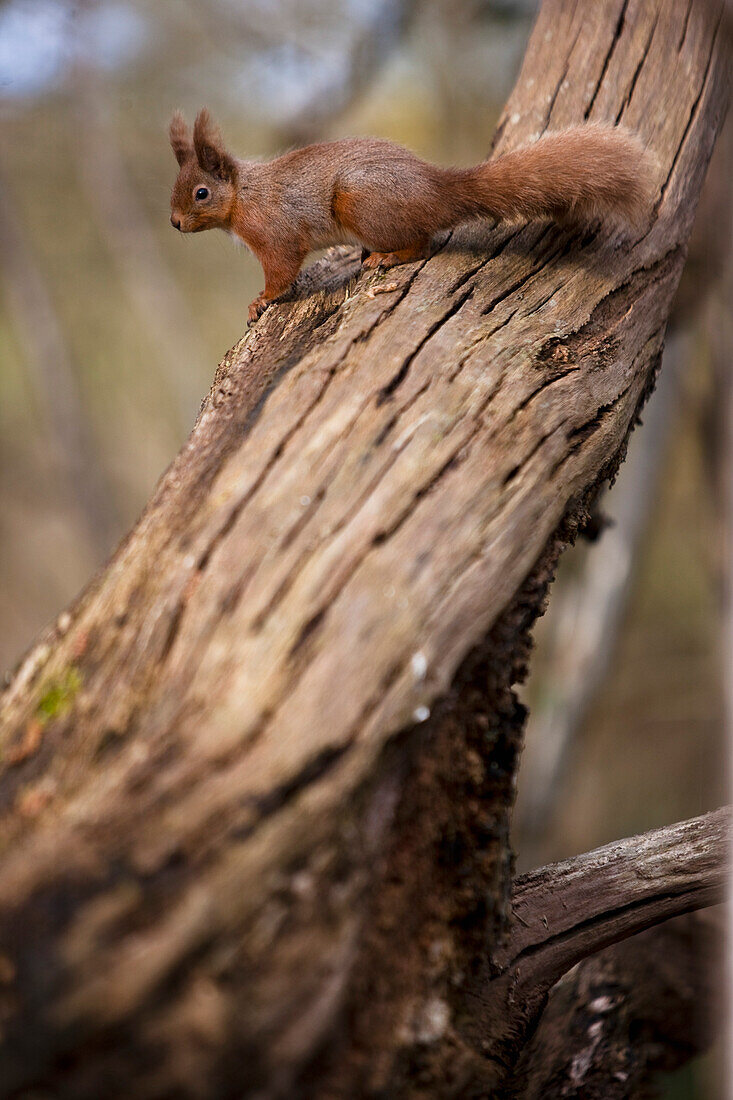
[(381, 196)]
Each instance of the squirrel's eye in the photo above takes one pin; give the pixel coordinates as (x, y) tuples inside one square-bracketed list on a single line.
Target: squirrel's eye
[(202, 193)]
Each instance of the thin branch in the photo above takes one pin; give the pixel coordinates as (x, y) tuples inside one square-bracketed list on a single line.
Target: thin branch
[(644, 1006), (564, 912), (568, 910)]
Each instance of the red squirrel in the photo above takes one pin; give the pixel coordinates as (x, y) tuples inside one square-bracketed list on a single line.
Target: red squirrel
[(376, 194)]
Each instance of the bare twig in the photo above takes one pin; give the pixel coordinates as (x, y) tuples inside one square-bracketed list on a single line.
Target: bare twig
[(640, 1007), (568, 910), (564, 912)]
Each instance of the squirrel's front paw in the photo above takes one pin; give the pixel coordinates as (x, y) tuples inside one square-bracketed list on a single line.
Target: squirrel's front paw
[(257, 308)]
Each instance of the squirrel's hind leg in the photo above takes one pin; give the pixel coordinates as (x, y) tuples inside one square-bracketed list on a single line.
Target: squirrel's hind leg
[(419, 251), (388, 240)]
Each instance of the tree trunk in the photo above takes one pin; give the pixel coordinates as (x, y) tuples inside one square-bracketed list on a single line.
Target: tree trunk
[(255, 783)]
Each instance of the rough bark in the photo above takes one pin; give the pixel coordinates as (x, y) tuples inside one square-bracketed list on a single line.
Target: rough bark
[(255, 783)]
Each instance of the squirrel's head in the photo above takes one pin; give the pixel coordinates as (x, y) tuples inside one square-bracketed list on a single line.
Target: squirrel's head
[(203, 195)]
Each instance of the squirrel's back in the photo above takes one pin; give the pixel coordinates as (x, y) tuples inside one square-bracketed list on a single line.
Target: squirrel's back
[(593, 173)]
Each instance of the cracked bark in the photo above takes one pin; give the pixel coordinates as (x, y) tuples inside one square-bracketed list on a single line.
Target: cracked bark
[(234, 858)]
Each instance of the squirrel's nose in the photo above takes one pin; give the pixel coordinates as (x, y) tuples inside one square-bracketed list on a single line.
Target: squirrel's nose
[(175, 222)]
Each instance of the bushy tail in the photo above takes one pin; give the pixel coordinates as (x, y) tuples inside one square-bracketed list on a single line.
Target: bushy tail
[(581, 175)]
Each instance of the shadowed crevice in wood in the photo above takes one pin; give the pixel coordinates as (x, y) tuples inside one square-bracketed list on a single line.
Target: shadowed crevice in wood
[(607, 60), (635, 77)]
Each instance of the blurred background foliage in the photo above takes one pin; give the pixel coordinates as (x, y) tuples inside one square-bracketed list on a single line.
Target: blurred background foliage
[(111, 325)]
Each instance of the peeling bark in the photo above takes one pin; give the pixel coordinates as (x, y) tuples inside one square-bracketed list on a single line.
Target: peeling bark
[(236, 855)]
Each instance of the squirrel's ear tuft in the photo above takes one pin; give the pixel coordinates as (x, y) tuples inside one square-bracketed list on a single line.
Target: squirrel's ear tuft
[(210, 151), (180, 138)]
